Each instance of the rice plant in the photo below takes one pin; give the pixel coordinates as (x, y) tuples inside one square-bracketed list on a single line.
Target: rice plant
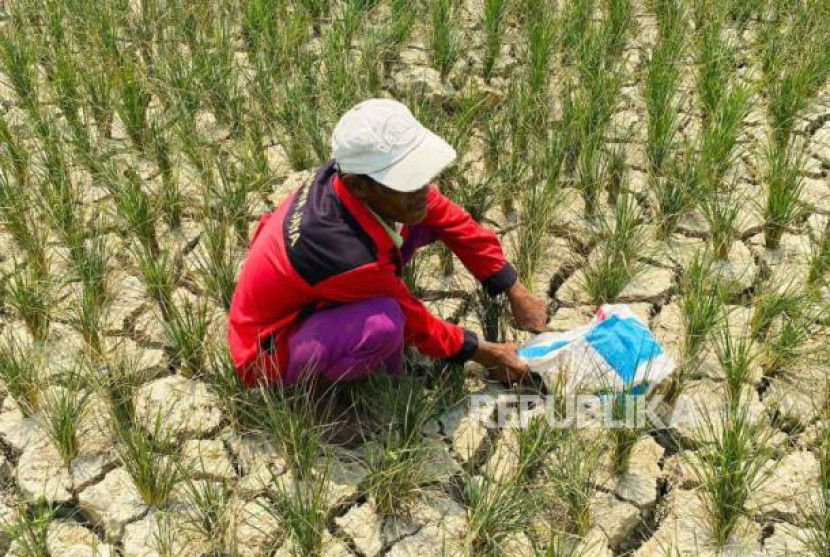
[(571, 474), (29, 292), (18, 56), (732, 466), (817, 515), (701, 300), (784, 186), (159, 274), (170, 203), (134, 206), (661, 80), (152, 462), (300, 506), (133, 100), (614, 263), (218, 261), (186, 326), (495, 13), (443, 36), (495, 510), (542, 37), (399, 464), (19, 373), (737, 358), (819, 264), (61, 407), (29, 528), (91, 265), (207, 513), (721, 209)]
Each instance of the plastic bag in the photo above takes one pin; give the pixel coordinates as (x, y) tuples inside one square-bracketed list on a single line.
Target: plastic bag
[(615, 352)]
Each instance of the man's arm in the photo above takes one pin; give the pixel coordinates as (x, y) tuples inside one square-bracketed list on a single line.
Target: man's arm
[(480, 251)]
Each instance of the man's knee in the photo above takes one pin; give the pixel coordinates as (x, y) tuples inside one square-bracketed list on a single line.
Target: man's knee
[(383, 330)]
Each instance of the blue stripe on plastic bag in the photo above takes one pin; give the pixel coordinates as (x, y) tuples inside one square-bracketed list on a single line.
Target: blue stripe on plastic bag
[(624, 344), (542, 350)]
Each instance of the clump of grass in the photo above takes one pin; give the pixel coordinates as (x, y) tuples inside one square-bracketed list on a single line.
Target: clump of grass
[(737, 358), (186, 327), (133, 100), (701, 300), (206, 515), (171, 203), (134, 206), (19, 372), (817, 538), (218, 262), (300, 506), (819, 264), (29, 292), (495, 12), (732, 465), (721, 210), (91, 264), (152, 462), (399, 464), (540, 25), (661, 80), (61, 407), (784, 186), (443, 35), (614, 262), (18, 56), (495, 510), (571, 474), (159, 274), (29, 528)]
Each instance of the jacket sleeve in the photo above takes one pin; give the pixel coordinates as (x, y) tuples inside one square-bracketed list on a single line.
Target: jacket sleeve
[(477, 247), (429, 334)]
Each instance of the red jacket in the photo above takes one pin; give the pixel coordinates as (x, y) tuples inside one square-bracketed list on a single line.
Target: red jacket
[(322, 247)]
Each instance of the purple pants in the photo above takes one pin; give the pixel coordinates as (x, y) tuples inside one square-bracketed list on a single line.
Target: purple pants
[(354, 340)]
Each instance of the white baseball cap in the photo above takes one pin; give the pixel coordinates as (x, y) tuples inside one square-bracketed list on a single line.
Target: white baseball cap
[(382, 139)]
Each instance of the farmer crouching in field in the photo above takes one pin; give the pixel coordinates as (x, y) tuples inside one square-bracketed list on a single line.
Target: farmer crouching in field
[(321, 293)]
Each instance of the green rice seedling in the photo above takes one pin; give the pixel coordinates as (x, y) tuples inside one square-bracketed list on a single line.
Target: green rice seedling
[(737, 358), (227, 199), (68, 92), (591, 167), (152, 462), (535, 443), (292, 419), (720, 134), (495, 13), (538, 202), (16, 160), (218, 262), (443, 35), (159, 274), (15, 202), (715, 58), (721, 210), (771, 301), (662, 75), (29, 292), (58, 195), (186, 327), (298, 118), (19, 372), (614, 262), (732, 466), (227, 384), (491, 314), (115, 378), (132, 103), (576, 19), (399, 464), (300, 506), (793, 48), (787, 343), (819, 264), (207, 512), (571, 474), (495, 510), (18, 55), (541, 29), (61, 407), (134, 206), (674, 193), (29, 528), (817, 515), (784, 187), (99, 90), (619, 22), (170, 199), (402, 16), (218, 77)]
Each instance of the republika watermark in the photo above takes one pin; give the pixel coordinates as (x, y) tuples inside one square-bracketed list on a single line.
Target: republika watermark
[(512, 411)]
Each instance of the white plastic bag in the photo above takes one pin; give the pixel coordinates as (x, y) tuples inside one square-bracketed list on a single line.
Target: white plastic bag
[(615, 352)]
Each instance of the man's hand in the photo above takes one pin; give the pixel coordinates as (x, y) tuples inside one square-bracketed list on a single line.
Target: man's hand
[(529, 312), (501, 361)]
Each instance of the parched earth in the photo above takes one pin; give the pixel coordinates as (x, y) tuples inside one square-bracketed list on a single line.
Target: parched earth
[(653, 509)]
